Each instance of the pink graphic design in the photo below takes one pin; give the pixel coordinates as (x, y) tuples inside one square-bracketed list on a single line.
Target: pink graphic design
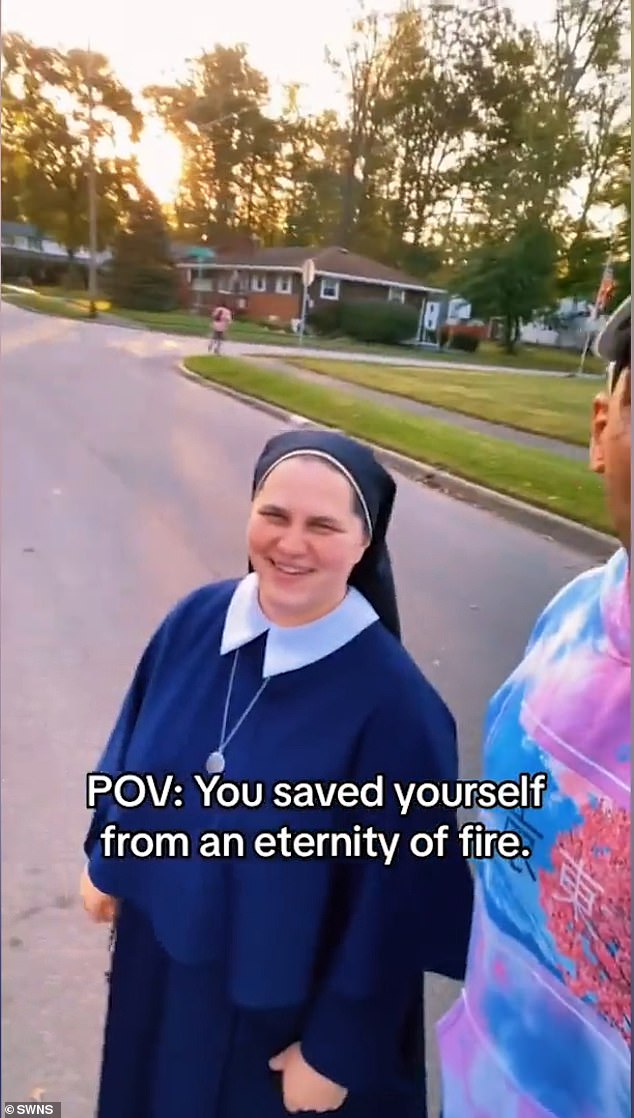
[(587, 901)]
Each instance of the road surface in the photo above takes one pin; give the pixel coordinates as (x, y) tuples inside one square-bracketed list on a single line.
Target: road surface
[(124, 486)]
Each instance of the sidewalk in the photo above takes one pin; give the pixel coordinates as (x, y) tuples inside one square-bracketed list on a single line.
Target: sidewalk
[(429, 411), (235, 346)]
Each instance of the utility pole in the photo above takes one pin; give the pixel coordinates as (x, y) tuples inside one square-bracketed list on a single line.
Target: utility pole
[(92, 195)]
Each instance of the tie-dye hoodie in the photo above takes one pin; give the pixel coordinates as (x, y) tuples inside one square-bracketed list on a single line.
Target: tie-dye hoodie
[(543, 1026)]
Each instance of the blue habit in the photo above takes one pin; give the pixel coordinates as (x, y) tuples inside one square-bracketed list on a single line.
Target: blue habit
[(219, 963)]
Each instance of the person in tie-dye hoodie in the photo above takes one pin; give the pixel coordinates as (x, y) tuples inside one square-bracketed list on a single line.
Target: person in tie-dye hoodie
[(543, 1025)]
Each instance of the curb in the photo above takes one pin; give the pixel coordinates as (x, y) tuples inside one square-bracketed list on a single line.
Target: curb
[(596, 545)]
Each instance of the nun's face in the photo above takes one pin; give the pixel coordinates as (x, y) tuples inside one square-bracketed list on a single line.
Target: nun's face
[(304, 539)]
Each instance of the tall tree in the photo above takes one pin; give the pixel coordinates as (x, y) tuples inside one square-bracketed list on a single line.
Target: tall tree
[(511, 277), (590, 69), (526, 147), (314, 178), (26, 69), (46, 97), (142, 275), (231, 147), (426, 116), (362, 71)]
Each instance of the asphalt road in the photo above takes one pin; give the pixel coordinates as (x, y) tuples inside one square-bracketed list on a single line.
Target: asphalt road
[(124, 486)]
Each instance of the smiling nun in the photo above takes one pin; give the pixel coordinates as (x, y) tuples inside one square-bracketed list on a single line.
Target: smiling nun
[(255, 987)]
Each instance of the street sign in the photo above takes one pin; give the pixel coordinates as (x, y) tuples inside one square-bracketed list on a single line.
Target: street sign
[(308, 272)]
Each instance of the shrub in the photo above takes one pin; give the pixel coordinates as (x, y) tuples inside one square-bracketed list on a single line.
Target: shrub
[(149, 287), (379, 321), (465, 340), (326, 319)]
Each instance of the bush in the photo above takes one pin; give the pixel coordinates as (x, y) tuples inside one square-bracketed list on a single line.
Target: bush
[(150, 287), (326, 320), (379, 321), (464, 340)]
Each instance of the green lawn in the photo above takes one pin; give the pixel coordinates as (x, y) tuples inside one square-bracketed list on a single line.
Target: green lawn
[(250, 333), (530, 357), (544, 480), (184, 322), (551, 406), (58, 307), (547, 358)]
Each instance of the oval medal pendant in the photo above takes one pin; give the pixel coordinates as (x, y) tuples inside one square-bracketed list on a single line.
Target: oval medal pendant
[(215, 763)]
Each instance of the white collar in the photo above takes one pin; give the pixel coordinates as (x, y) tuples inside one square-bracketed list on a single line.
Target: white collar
[(288, 649)]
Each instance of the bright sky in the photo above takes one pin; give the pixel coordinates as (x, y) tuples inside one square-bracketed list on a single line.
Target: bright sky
[(286, 39)]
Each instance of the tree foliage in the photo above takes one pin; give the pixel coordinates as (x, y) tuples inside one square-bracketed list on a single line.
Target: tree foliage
[(512, 277), (45, 112), (462, 127), (142, 275)]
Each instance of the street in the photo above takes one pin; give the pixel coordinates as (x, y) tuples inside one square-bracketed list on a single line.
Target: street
[(124, 486)]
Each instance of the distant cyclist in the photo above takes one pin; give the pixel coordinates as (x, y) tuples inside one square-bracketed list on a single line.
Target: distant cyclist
[(221, 320)]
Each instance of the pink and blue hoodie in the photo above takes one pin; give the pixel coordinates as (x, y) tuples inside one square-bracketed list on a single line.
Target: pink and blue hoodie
[(543, 1026)]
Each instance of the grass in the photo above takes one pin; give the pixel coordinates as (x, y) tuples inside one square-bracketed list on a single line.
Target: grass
[(64, 304), (184, 322), (250, 333), (540, 479), (544, 358), (531, 357), (557, 408), (58, 307)]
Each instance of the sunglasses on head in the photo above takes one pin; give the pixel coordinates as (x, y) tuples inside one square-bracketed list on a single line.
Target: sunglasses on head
[(623, 357)]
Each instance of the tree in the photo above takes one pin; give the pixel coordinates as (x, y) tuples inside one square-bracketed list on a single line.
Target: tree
[(526, 146), (427, 116), (587, 901), (584, 262), (363, 70), (461, 129), (26, 69), (231, 148), (142, 275), (314, 179), (46, 96), (618, 196), (512, 278), (592, 76)]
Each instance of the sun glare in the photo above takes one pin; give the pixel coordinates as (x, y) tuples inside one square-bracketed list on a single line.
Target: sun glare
[(160, 160)]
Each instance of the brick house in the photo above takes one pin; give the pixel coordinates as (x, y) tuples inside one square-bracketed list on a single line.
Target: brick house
[(266, 283)]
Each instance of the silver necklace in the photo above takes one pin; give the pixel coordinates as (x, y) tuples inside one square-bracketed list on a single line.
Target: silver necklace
[(216, 760)]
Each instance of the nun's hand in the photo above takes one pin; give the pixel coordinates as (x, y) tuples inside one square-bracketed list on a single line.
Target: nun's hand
[(100, 907), (303, 1087)]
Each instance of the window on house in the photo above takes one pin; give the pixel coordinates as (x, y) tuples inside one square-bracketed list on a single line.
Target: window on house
[(258, 283), (284, 285), (396, 295), (225, 284), (329, 288)]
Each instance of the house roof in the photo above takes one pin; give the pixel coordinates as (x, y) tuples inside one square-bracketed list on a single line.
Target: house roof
[(330, 261), (19, 229), (184, 250)]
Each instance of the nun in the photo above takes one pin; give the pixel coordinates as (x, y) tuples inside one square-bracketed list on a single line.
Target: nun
[(286, 976)]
